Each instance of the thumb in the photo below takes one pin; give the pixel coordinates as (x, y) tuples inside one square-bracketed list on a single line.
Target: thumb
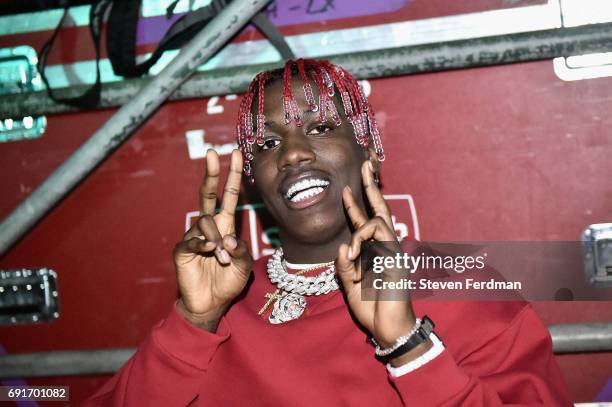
[(345, 267), (238, 251)]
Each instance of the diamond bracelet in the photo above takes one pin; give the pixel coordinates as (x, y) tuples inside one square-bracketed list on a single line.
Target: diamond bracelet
[(399, 342)]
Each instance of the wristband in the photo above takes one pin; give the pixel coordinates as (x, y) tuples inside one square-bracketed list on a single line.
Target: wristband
[(434, 352), (404, 344)]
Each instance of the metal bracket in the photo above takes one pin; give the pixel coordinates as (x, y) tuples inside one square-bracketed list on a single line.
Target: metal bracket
[(18, 74), (28, 296), (597, 254)]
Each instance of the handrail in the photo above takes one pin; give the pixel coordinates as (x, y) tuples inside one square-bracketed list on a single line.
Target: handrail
[(567, 338)]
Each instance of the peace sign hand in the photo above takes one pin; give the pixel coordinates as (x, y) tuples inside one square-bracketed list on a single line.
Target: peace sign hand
[(385, 320), (212, 264)]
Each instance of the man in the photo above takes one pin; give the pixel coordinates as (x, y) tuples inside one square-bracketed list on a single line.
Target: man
[(291, 330)]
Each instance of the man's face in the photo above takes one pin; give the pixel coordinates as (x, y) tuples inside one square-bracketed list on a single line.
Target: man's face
[(300, 171)]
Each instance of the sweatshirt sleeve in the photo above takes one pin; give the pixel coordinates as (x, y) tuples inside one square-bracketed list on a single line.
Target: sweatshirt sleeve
[(167, 367), (515, 367)]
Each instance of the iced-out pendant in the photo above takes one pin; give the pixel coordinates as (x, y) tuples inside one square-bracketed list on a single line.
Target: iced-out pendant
[(289, 306)]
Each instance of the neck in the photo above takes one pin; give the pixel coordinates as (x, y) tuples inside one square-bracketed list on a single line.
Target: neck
[(296, 251)]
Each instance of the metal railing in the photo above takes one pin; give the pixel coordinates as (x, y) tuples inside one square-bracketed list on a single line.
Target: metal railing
[(567, 338), (378, 63)]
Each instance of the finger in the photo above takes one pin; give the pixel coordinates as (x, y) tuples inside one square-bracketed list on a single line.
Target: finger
[(193, 245), (209, 229), (239, 252), (376, 228), (193, 231), (232, 185), (356, 214), (375, 197), (346, 268), (208, 189)]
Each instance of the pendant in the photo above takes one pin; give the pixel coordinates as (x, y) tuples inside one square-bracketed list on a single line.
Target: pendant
[(288, 307)]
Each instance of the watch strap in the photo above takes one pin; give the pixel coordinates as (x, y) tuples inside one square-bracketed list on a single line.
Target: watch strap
[(418, 337)]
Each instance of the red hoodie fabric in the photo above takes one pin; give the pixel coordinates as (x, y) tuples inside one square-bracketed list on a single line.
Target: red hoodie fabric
[(497, 353)]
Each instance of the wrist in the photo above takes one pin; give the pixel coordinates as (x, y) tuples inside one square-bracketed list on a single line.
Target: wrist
[(400, 329), (208, 321), (408, 347), (418, 351)]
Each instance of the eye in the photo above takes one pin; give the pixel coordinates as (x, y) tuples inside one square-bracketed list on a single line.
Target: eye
[(270, 143), (320, 129)]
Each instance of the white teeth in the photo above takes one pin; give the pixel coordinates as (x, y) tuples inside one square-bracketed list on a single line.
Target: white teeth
[(300, 196), (304, 185)]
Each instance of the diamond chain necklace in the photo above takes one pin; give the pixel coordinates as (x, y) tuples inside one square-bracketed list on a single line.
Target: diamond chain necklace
[(289, 298)]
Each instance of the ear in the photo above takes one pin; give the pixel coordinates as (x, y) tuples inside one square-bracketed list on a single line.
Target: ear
[(373, 157)]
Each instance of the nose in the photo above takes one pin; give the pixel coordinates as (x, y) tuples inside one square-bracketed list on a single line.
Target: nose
[(295, 152)]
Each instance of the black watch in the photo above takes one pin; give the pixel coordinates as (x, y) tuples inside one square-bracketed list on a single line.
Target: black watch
[(421, 335)]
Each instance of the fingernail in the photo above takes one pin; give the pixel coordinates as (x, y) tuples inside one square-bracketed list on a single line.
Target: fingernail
[(370, 166), (231, 242), (225, 257), (350, 253)]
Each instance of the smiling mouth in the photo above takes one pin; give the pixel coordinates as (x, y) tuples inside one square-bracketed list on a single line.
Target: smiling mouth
[(306, 192)]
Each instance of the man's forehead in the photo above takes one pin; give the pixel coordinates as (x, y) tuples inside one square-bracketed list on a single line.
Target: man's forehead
[(273, 100)]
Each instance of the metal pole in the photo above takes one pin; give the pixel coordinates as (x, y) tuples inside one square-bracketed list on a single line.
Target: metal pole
[(127, 119), (64, 363), (567, 338), (468, 53), (575, 338)]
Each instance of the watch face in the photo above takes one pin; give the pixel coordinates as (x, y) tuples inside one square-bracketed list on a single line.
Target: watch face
[(427, 324)]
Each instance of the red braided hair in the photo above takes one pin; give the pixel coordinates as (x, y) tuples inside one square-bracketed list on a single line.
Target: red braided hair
[(328, 79)]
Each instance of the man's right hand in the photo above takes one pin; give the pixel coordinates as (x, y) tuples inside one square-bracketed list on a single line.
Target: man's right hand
[(212, 264)]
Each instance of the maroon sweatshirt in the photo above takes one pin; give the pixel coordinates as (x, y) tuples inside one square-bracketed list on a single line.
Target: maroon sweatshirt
[(497, 353)]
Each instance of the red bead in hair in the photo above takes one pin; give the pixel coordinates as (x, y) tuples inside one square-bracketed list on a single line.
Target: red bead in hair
[(306, 86), (291, 109), (318, 80), (261, 79)]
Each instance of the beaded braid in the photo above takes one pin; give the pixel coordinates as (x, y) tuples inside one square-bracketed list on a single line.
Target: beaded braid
[(327, 78)]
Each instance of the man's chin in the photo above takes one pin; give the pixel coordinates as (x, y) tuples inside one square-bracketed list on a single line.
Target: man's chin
[(317, 229)]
